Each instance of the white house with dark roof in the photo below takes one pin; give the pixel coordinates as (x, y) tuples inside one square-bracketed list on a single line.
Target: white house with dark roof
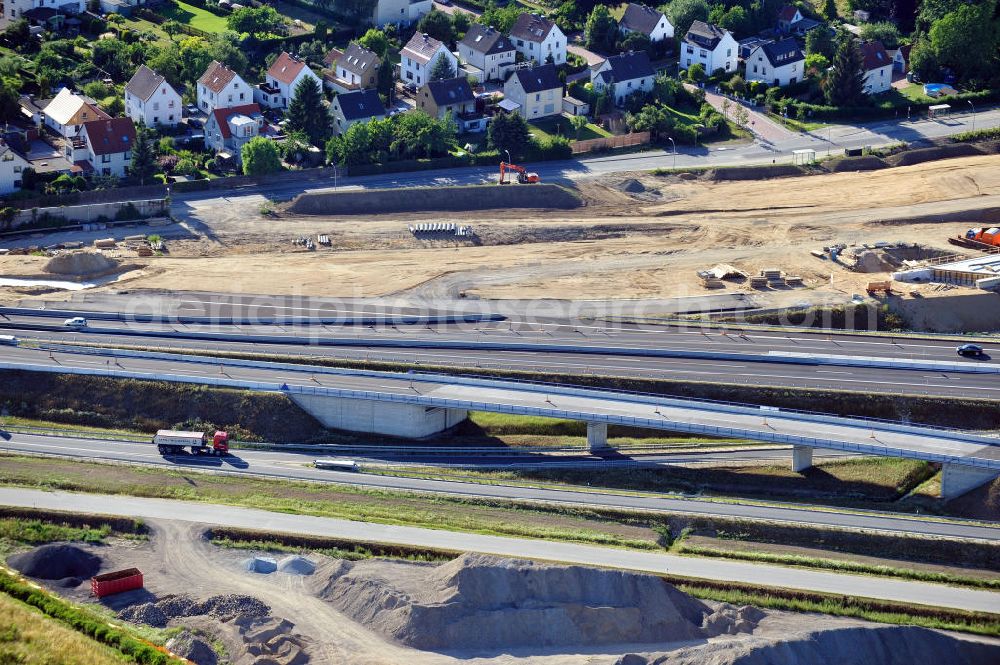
[(228, 129), (877, 67), (626, 74), (278, 88), (646, 21), (350, 108), (354, 69), (12, 165), (539, 39), (710, 46), (488, 51), (417, 58), (221, 87), (67, 112), (776, 64), (103, 147), (537, 92), (149, 99), (17, 9)]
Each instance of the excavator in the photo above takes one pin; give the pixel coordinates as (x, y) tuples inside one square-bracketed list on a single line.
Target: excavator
[(522, 174)]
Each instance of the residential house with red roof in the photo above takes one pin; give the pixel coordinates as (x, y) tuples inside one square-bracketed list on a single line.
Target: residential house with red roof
[(221, 87), (877, 68), (282, 78), (228, 129), (103, 147)]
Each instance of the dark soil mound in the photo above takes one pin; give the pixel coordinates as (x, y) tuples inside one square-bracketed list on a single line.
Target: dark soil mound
[(850, 164), (922, 155), (754, 172), (632, 186), (66, 564)]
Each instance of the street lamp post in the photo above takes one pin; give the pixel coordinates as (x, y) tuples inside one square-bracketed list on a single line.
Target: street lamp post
[(973, 107), (675, 151)]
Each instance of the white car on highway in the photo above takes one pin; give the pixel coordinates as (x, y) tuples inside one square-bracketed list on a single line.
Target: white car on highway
[(76, 322)]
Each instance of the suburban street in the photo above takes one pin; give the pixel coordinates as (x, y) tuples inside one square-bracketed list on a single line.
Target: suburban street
[(919, 593), (829, 140)]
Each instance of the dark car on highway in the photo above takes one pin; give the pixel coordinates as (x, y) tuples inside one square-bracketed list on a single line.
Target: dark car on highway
[(970, 350)]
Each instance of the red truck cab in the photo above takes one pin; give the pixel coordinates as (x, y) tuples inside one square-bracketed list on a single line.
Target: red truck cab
[(220, 442)]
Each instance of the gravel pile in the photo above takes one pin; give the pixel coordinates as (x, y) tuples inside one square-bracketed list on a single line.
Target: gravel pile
[(192, 647), (297, 565), (224, 608), (67, 565), (80, 263)]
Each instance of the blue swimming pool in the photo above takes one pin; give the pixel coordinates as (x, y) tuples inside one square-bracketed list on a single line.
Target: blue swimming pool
[(934, 89)]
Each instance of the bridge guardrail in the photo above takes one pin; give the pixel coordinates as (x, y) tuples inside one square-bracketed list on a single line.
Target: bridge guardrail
[(728, 432)]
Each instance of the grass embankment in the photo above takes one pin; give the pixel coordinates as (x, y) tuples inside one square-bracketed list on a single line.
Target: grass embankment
[(196, 17), (337, 548), (867, 482), (39, 627)]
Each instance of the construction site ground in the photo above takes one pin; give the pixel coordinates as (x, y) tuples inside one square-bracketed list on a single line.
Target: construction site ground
[(639, 236)]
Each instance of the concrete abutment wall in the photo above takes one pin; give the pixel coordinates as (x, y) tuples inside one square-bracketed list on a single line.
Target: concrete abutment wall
[(411, 421), (957, 479)]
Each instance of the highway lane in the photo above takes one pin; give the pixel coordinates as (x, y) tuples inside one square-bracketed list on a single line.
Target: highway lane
[(285, 465), (540, 400), (795, 578)]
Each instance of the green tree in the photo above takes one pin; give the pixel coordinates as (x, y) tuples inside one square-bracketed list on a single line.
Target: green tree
[(682, 13), (419, 135), (143, 156), (226, 48), (967, 40), (577, 122), (651, 118), (172, 28), (735, 20), (256, 21), (460, 23), (166, 61), (260, 157), (820, 41), (601, 30), (845, 83), (386, 80), (438, 25), (635, 41), (509, 132), (112, 56), (501, 18), (696, 73), (817, 62), (923, 60), (376, 41), (308, 112), (442, 69), (882, 31), (830, 9)]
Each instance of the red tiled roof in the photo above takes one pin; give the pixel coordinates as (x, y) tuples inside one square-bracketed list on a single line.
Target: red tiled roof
[(874, 55), (286, 68), (217, 77), (108, 137), (787, 13), (222, 116)]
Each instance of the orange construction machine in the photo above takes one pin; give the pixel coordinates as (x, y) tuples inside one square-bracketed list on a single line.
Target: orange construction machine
[(990, 236), (522, 173)]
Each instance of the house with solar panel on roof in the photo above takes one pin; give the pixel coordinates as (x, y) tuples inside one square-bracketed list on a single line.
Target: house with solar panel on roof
[(351, 108), (777, 63), (149, 99)]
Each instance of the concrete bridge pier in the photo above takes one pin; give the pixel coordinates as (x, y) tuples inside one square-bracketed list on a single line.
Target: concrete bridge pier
[(802, 458), (597, 437), (957, 479), (411, 421)]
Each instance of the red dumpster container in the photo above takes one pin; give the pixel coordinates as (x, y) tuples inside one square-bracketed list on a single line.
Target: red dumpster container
[(116, 582)]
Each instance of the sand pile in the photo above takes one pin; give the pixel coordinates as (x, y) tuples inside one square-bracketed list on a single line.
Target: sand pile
[(80, 263), (873, 261), (190, 646), (484, 602), (829, 640), (297, 565), (67, 565)]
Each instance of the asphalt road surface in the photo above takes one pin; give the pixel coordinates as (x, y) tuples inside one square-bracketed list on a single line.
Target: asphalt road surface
[(612, 349), (793, 578), (547, 401), (286, 465)]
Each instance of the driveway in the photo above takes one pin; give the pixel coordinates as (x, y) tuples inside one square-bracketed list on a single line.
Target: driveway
[(763, 128)]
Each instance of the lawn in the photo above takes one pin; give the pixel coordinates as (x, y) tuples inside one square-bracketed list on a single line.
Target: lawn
[(559, 126), (28, 636), (196, 17)]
